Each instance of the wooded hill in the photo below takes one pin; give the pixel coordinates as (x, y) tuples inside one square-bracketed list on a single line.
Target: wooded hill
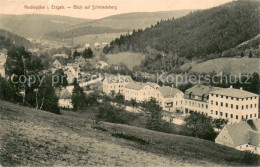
[(198, 34)]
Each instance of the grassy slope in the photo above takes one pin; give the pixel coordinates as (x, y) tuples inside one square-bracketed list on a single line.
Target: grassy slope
[(128, 58), (30, 137), (230, 65)]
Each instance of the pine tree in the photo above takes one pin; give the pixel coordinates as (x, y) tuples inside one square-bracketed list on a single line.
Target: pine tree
[(78, 97)]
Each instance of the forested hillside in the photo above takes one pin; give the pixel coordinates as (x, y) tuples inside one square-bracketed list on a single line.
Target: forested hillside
[(80, 31), (198, 34), (8, 39)]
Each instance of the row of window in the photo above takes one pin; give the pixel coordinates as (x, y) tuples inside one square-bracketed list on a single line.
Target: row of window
[(231, 115), (197, 104), (232, 98), (232, 106)]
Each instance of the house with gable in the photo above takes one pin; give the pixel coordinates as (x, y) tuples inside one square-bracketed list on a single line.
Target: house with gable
[(169, 98), (244, 136)]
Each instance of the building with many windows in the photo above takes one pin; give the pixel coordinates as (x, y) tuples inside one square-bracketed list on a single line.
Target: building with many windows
[(116, 83), (140, 91), (232, 104), (196, 99)]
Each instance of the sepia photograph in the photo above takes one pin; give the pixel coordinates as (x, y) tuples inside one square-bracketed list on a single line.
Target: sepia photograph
[(143, 83)]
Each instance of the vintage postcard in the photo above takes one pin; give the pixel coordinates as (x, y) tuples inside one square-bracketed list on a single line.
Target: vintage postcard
[(129, 83)]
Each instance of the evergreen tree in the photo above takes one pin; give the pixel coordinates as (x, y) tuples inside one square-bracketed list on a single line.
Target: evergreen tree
[(88, 53), (78, 97)]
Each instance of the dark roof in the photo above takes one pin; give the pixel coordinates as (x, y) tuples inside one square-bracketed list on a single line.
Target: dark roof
[(200, 90)]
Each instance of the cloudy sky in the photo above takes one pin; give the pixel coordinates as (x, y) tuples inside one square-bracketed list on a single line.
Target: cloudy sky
[(123, 6)]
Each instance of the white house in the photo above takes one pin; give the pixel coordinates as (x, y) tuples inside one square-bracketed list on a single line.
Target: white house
[(170, 99), (241, 136), (115, 83), (232, 104), (101, 65), (140, 91), (196, 99), (64, 96), (57, 64), (3, 58)]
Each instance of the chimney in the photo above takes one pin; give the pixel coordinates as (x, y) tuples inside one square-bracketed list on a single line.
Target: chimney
[(231, 86), (241, 88)]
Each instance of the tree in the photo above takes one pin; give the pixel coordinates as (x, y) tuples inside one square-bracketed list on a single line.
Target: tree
[(199, 125), (119, 98), (133, 103), (242, 54), (87, 53), (250, 54), (47, 98), (76, 54), (78, 97), (62, 78), (152, 109)]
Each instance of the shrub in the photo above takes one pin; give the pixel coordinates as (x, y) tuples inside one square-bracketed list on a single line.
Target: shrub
[(131, 138), (251, 158)]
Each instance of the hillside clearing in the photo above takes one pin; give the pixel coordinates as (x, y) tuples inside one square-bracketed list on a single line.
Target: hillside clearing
[(31, 137), (128, 58), (229, 65)]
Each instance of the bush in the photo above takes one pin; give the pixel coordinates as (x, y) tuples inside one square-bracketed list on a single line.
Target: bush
[(109, 113), (158, 125), (251, 158)]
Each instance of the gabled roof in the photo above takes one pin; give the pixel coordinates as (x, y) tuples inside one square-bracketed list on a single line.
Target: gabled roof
[(57, 62), (140, 85), (199, 90), (117, 78), (234, 93), (239, 132), (168, 92), (63, 93)]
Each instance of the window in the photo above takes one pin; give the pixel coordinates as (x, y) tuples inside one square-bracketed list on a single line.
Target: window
[(242, 107), (216, 103), (206, 106), (231, 98), (226, 115), (211, 102), (211, 111), (236, 116), (216, 112), (255, 105), (231, 115), (237, 99), (221, 104), (246, 106), (237, 107), (221, 96), (251, 105), (227, 105), (226, 97), (221, 113), (250, 115), (246, 116), (231, 105), (216, 95), (255, 115), (202, 105)]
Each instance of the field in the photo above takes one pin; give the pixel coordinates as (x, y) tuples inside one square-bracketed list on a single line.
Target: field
[(31, 137), (128, 58), (229, 65)]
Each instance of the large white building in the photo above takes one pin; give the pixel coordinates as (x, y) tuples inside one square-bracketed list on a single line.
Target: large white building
[(115, 83), (232, 104), (242, 136), (170, 99), (140, 91)]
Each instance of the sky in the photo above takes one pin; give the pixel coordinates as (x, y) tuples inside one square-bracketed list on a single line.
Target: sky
[(117, 6)]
